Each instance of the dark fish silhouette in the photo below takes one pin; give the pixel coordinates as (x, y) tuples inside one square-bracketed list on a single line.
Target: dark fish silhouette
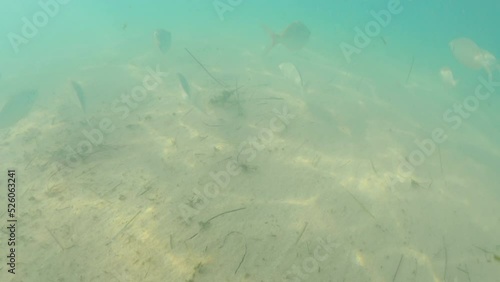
[(79, 93), (163, 39), (17, 107), (294, 37)]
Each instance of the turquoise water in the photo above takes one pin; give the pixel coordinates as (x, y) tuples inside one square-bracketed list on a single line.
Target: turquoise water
[(369, 154)]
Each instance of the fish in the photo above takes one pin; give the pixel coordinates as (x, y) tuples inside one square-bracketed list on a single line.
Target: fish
[(466, 52), (81, 96), (291, 73), (447, 77), (294, 37), (186, 89), (469, 54), (17, 108), (188, 94), (163, 39), (488, 61)]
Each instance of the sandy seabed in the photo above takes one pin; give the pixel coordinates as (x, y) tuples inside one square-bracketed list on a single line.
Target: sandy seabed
[(266, 183)]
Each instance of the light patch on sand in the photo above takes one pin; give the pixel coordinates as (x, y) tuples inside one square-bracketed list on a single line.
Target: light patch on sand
[(185, 265), (300, 202)]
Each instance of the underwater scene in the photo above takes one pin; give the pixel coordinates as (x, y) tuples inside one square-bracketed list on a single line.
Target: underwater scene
[(250, 140)]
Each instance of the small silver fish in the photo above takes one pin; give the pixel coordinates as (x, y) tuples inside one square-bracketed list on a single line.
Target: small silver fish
[(188, 94), (163, 39), (17, 107), (81, 96), (447, 77), (186, 89), (469, 54), (291, 73)]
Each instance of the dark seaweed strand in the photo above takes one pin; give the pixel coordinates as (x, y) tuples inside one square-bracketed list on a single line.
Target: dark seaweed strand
[(242, 259), (397, 269), (362, 206), (203, 67), (302, 233), (213, 217)]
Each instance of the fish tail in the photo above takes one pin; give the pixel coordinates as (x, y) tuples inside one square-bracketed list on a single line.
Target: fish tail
[(274, 38)]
